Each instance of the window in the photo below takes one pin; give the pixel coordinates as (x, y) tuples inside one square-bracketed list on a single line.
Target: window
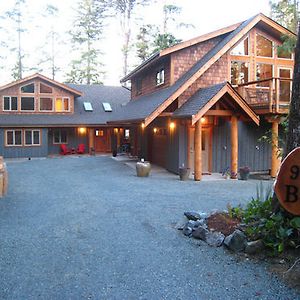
[(160, 77), (29, 88), (283, 53), (285, 86), (60, 136), (106, 106), (27, 103), (13, 137), (241, 48), (10, 103), (32, 137), (87, 106), (45, 89), (46, 104), (264, 71), (239, 72), (62, 104), (264, 47)]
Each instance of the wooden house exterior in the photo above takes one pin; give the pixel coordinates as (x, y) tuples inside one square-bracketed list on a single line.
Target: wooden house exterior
[(206, 102), (38, 115)]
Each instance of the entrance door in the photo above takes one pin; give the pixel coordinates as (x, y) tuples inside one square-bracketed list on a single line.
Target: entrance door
[(285, 86), (102, 142), (205, 149)]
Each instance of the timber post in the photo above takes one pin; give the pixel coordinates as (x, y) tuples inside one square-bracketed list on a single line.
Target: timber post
[(198, 151), (234, 147), (91, 140), (274, 161)]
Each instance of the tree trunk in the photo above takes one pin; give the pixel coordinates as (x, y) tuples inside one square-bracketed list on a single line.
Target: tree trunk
[(293, 135)]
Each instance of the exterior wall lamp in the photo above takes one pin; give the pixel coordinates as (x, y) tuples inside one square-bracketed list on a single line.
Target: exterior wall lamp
[(82, 130), (172, 125)]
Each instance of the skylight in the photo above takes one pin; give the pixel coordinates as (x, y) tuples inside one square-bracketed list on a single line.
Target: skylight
[(107, 106), (87, 106)]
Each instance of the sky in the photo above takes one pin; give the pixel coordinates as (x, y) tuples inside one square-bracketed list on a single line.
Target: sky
[(205, 15)]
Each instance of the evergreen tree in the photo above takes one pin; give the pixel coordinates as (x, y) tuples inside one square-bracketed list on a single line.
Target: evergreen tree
[(125, 10), (87, 31), (16, 15)]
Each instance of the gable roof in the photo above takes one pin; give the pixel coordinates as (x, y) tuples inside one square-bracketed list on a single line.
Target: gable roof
[(202, 38), (205, 98), (39, 76), (95, 94), (171, 93)]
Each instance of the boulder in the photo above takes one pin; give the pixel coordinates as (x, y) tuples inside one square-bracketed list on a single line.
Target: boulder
[(191, 215), (215, 239), (254, 247), (236, 241), (200, 233), (187, 231)]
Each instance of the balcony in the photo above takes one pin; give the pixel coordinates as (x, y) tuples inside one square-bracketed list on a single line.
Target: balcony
[(267, 96)]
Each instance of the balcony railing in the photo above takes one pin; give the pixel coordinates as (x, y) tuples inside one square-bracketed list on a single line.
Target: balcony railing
[(271, 95)]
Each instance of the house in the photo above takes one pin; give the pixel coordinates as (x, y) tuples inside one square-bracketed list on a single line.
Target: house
[(38, 115), (205, 103)]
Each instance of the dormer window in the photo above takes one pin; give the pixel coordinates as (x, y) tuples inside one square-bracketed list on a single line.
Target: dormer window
[(264, 46), (27, 89), (160, 77)]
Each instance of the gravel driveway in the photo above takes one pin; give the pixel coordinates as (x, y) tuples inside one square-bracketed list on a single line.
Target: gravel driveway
[(88, 228)]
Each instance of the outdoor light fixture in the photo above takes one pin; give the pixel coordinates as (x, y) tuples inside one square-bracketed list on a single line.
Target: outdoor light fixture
[(116, 130), (143, 125), (203, 120), (172, 125), (82, 130), (155, 130)]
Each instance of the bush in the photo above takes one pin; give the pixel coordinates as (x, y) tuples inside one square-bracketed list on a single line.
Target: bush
[(277, 230)]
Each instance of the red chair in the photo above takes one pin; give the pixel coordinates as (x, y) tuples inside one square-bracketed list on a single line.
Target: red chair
[(64, 150), (81, 149)]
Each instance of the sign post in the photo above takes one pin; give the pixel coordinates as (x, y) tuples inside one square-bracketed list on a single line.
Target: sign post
[(287, 184)]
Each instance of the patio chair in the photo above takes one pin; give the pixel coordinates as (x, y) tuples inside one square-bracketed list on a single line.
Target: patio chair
[(64, 150), (81, 149)]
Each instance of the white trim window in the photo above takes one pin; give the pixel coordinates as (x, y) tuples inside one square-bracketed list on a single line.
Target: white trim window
[(60, 136), (28, 88), (13, 137), (160, 77), (46, 104), (27, 103), (32, 137), (10, 103), (62, 104)]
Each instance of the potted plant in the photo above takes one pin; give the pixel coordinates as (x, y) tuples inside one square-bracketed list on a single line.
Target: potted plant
[(244, 173), (184, 172)]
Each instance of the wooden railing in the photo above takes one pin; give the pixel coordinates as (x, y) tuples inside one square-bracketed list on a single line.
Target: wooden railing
[(271, 95)]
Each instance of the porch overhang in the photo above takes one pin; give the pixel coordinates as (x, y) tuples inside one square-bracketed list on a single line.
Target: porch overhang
[(202, 103)]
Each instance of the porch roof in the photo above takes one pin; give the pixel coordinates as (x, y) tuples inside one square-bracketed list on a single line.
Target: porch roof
[(203, 100)]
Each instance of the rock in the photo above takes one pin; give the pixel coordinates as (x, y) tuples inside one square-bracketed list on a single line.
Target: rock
[(292, 275), (254, 247), (236, 241), (215, 239), (199, 223), (187, 231), (200, 233), (181, 224), (191, 215)]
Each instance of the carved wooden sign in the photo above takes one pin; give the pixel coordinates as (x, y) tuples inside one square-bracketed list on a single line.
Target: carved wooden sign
[(287, 185)]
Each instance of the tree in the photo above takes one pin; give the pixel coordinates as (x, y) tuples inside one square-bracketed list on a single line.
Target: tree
[(16, 15), (144, 46), (286, 12), (87, 31), (169, 13), (48, 49), (293, 134), (125, 10), (164, 40)]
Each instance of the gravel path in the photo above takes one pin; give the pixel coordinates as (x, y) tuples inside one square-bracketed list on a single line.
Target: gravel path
[(88, 228)]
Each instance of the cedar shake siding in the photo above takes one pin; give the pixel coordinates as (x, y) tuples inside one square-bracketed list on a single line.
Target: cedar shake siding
[(147, 79)]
